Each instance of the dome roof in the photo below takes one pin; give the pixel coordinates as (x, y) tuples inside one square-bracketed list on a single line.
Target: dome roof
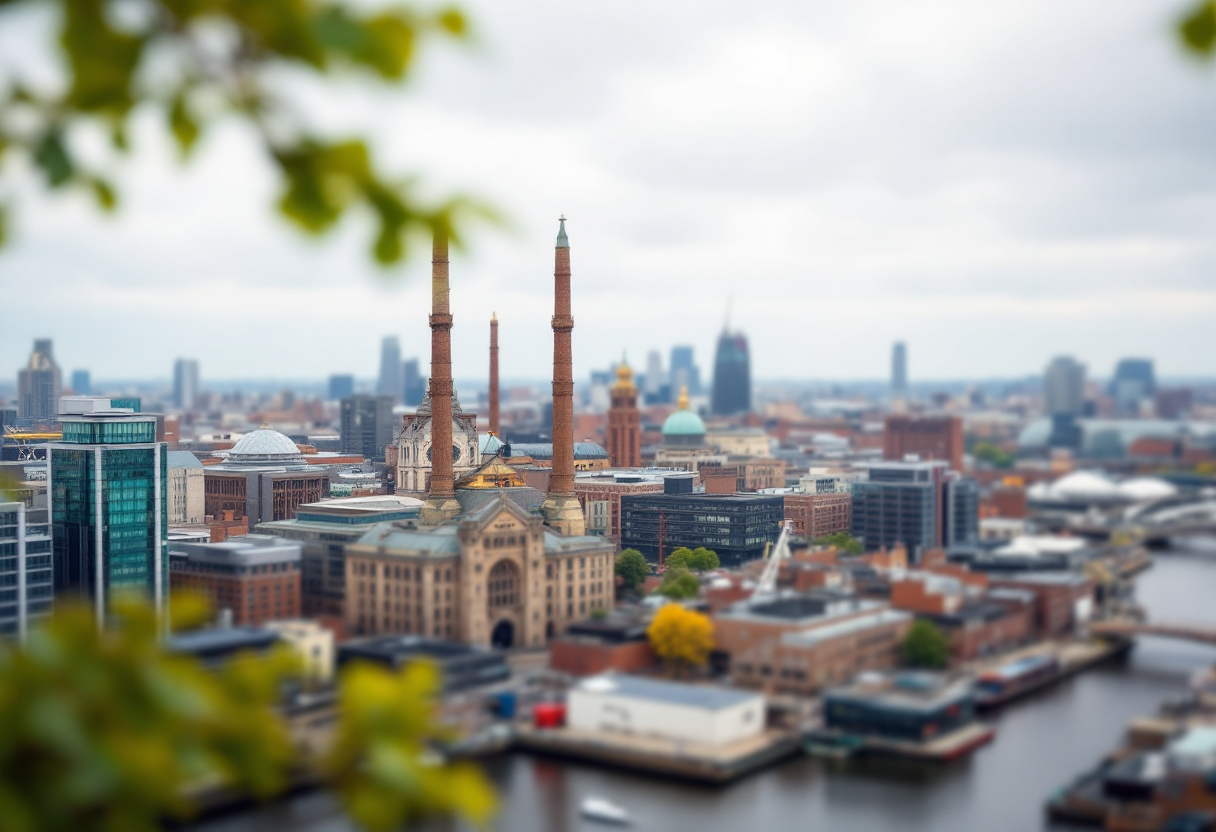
[(264, 446), (683, 423), (624, 377), (1084, 484), (1146, 488)]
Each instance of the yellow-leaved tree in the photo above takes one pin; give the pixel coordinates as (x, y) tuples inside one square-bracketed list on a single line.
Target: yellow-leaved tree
[(681, 637)]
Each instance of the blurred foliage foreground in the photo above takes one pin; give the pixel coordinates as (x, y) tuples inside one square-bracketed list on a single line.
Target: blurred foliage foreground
[(108, 731)]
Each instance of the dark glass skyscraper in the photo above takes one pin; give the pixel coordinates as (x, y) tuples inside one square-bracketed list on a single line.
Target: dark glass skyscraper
[(341, 387), (185, 383), (367, 426), (732, 376), (109, 515), (415, 383)]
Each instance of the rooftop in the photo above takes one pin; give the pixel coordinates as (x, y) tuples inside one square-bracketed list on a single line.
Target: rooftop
[(704, 697)]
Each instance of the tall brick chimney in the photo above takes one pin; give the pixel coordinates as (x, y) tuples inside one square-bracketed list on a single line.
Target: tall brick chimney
[(441, 502), (561, 508), (494, 429)]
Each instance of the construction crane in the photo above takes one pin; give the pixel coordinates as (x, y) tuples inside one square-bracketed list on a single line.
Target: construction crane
[(27, 440), (767, 585)]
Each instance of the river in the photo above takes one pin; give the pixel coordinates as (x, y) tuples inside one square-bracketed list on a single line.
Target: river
[(1041, 743)]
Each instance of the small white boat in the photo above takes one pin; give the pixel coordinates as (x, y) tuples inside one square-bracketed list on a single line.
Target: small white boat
[(605, 811)]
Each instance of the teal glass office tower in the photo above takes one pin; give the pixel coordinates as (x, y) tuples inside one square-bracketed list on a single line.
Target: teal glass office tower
[(109, 516)]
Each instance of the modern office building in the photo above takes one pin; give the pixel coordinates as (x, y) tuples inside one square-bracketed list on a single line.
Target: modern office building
[(600, 492), (255, 577), (922, 505), (341, 387), (1134, 382), (108, 504), (1064, 387), (26, 576), (39, 385), (655, 379), (926, 437), (323, 530), (684, 370), (732, 392), (736, 526), (899, 370), (82, 383), (391, 378), (185, 383), (414, 383), (263, 477), (367, 426)]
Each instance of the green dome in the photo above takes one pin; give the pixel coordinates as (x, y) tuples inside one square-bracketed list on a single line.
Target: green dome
[(683, 423)]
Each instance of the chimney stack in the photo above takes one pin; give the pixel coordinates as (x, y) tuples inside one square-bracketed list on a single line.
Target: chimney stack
[(494, 429), (561, 508), (441, 502)]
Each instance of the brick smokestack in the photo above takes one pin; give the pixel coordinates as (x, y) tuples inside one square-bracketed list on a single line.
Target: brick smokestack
[(561, 508), (494, 429), (441, 503)]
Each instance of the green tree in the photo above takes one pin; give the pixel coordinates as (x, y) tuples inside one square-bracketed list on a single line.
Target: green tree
[(632, 567), (106, 731), (845, 543), (196, 62), (679, 583), (993, 455), (705, 560), (926, 646), (681, 558)]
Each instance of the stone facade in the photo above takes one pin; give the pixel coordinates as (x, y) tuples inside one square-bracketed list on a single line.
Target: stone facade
[(414, 447)]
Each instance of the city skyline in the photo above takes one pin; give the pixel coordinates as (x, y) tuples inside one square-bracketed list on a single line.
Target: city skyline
[(974, 242)]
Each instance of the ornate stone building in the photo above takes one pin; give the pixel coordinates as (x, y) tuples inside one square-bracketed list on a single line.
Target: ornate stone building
[(414, 447), (497, 576), (624, 421)]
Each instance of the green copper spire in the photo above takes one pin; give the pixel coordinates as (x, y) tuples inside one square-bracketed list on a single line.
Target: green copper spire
[(562, 240)]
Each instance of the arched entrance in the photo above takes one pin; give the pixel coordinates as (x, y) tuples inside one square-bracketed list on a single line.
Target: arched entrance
[(503, 636)]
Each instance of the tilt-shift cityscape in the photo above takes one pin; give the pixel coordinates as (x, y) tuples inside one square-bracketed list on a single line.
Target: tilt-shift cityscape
[(855, 470)]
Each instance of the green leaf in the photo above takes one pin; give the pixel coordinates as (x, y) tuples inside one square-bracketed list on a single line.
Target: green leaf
[(51, 154), (183, 124), (452, 21), (104, 192), (1198, 29)]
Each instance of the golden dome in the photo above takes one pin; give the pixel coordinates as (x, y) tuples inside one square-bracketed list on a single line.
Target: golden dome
[(624, 377)]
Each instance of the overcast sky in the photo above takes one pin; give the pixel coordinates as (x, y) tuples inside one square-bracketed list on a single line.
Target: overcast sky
[(994, 183)]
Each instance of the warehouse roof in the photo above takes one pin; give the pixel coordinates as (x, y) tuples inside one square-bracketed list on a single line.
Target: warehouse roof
[(676, 693)]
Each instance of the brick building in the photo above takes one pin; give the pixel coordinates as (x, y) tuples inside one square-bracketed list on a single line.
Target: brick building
[(624, 421), (263, 477), (818, 515), (257, 577), (600, 492), (928, 437)]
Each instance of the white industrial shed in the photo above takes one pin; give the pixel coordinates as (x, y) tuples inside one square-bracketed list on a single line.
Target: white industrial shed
[(668, 710)]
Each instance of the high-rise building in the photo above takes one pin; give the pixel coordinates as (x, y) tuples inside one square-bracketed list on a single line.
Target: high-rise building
[(656, 379), (927, 437), (25, 568), (185, 383), (391, 378), (109, 513), (1134, 382), (899, 370), (341, 387), (82, 383), (1064, 387), (624, 422), (922, 505), (684, 371), (39, 385), (414, 383), (367, 426), (732, 392)]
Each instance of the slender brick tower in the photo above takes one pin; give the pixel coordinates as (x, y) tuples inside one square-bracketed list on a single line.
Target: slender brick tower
[(494, 375), (561, 508), (624, 421), (441, 502)]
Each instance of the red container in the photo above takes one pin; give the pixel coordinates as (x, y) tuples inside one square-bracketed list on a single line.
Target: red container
[(549, 715)]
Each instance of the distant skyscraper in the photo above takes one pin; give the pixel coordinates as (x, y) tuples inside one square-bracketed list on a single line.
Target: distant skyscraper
[(82, 383), (899, 370), (1134, 381), (391, 379), (367, 426), (732, 376), (414, 383), (109, 512), (39, 385), (655, 377), (1064, 387), (684, 371), (341, 387), (185, 383)]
